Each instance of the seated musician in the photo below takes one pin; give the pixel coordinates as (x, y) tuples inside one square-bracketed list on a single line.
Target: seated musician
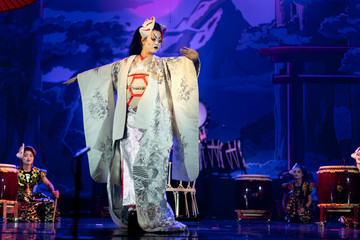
[(297, 197), (33, 207)]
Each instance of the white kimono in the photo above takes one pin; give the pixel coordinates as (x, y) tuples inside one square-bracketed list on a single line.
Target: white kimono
[(167, 115)]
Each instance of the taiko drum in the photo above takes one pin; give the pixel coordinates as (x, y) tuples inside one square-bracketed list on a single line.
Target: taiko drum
[(338, 184), (8, 182), (253, 192)]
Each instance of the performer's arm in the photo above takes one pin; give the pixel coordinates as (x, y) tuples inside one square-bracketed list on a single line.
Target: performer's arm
[(71, 80), (74, 79), (192, 55), (51, 188), (20, 154), (308, 203)]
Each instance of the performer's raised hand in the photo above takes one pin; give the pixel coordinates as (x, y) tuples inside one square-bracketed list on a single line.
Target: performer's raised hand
[(190, 53), (71, 80), (356, 156), (20, 154)]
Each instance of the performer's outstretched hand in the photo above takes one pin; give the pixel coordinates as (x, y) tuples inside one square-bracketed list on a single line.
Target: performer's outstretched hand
[(20, 154), (71, 80), (190, 54)]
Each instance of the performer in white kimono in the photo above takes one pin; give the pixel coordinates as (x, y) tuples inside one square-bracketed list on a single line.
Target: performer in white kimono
[(156, 111)]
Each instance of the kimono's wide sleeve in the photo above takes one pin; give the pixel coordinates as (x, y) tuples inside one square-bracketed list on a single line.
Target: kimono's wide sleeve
[(183, 84), (98, 104)]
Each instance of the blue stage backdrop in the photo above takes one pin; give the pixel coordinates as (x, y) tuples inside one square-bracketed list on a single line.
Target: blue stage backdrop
[(47, 43)]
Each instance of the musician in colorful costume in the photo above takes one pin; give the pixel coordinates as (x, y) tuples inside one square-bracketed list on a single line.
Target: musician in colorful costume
[(34, 206), (297, 200)]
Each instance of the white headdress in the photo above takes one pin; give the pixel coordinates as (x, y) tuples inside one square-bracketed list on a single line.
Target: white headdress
[(147, 27)]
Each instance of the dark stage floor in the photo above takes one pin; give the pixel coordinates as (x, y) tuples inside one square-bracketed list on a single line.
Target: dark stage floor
[(205, 229)]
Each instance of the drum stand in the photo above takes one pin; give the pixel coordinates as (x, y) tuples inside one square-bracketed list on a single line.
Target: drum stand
[(338, 208), (8, 206), (254, 197), (254, 215), (181, 189)]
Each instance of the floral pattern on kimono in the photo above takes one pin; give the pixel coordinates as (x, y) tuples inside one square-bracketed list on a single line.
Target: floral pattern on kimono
[(167, 114)]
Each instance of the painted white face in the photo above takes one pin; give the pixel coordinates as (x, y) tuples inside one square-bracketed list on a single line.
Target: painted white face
[(298, 173), (152, 43), (28, 158)]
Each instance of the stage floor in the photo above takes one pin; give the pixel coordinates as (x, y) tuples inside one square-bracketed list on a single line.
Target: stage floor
[(97, 228)]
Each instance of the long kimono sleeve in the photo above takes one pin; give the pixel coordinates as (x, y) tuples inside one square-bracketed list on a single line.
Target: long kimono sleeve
[(183, 84), (97, 95)]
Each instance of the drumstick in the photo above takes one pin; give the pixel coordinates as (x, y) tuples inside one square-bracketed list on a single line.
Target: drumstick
[(55, 205)]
